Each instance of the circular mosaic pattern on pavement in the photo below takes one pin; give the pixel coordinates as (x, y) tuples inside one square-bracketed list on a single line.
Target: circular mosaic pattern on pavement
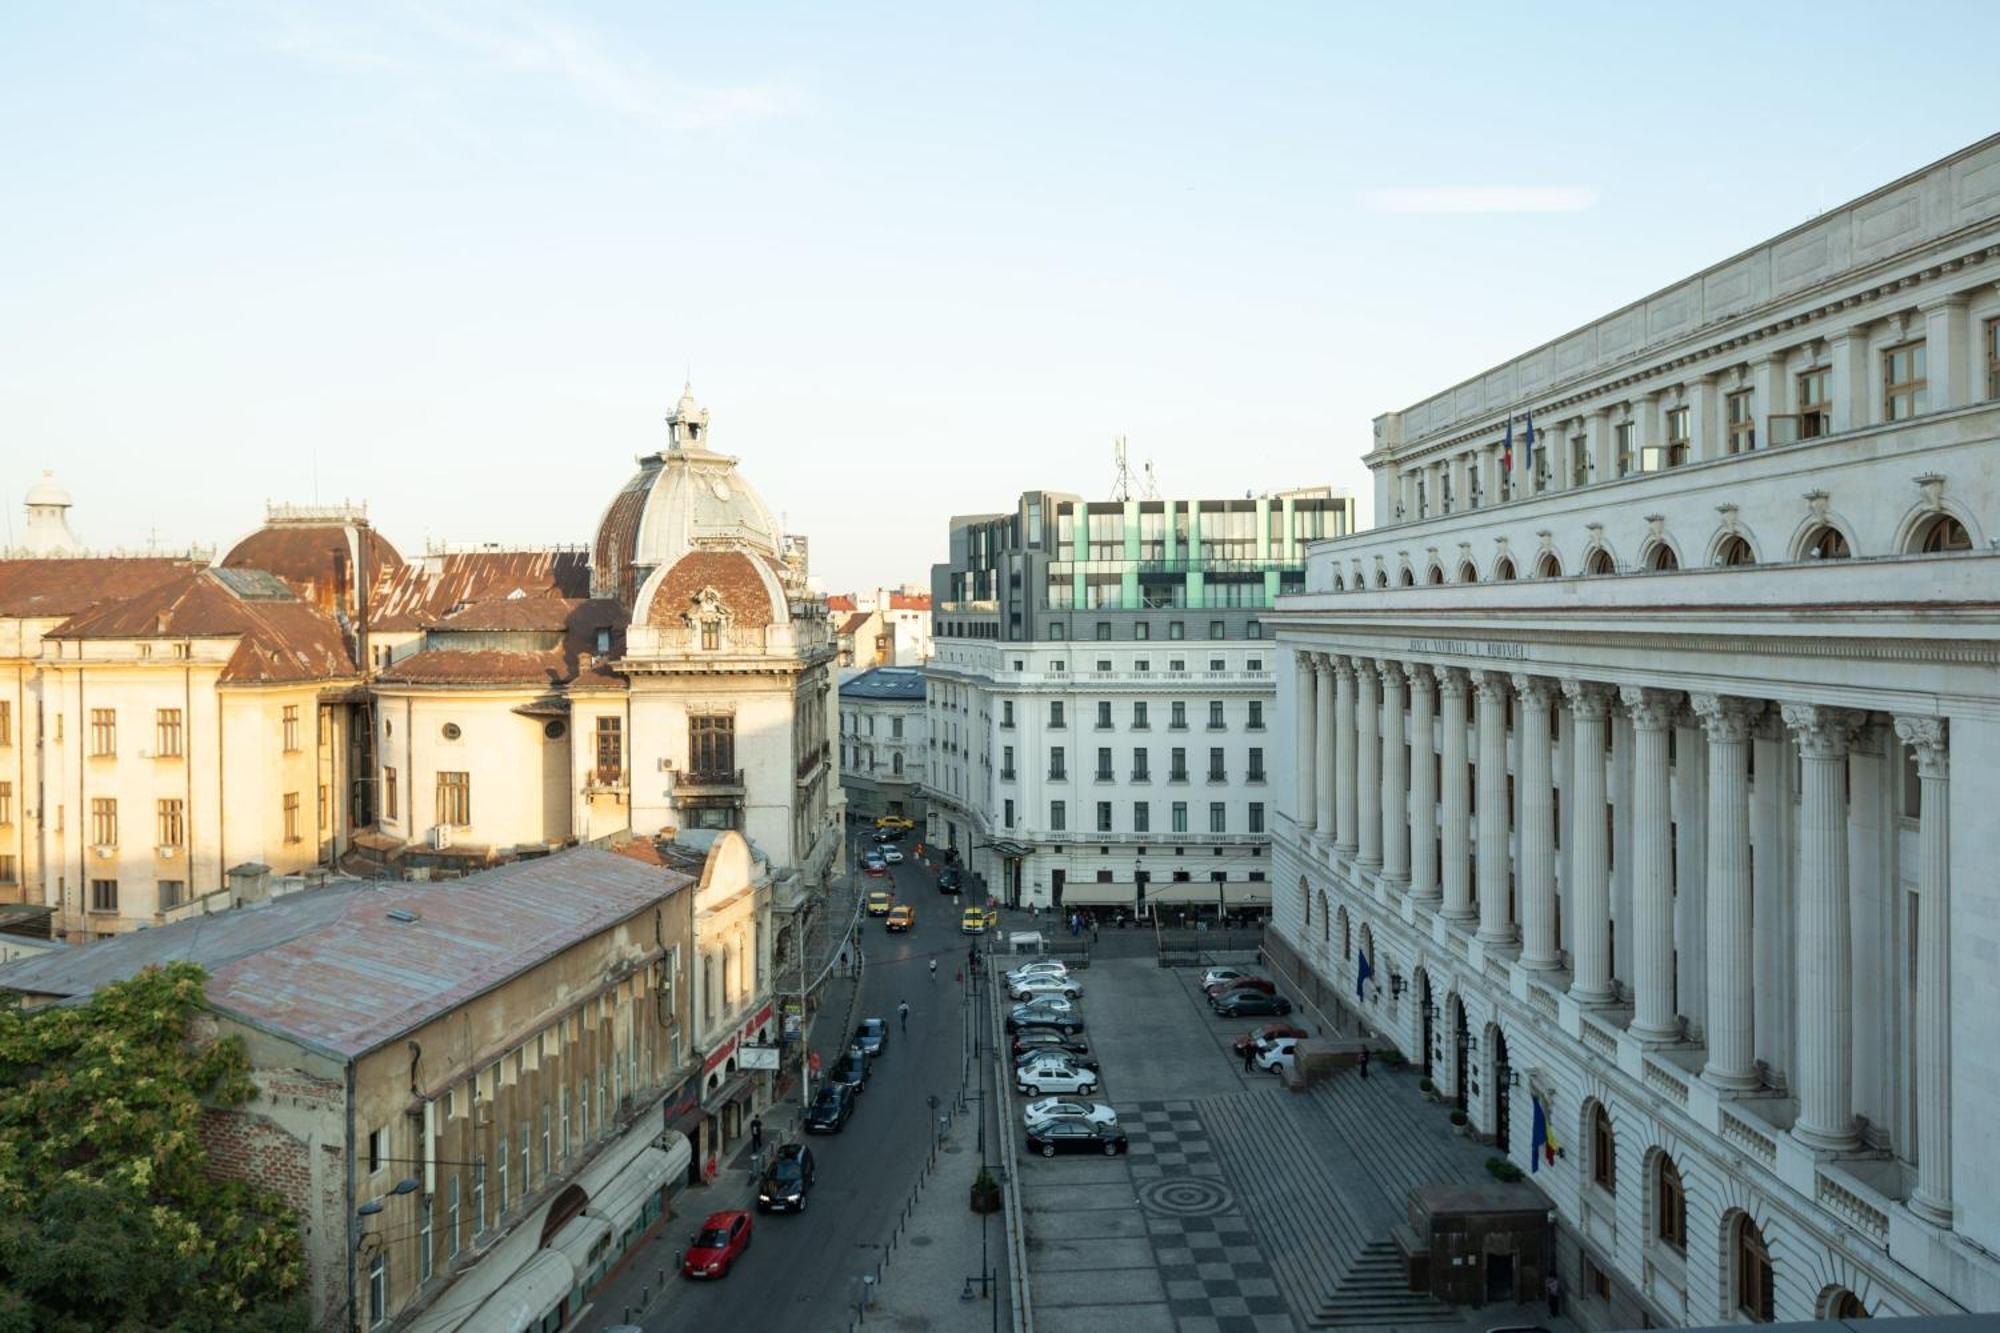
[(1186, 1196)]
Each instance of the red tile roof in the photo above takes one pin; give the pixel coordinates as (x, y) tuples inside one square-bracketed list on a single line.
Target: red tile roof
[(58, 588), (277, 640), (734, 575), (854, 622), (840, 601), (905, 601), (577, 661)]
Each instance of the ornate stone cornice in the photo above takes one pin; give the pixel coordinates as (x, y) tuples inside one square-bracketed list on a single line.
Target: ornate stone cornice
[(1725, 717), (1822, 732)]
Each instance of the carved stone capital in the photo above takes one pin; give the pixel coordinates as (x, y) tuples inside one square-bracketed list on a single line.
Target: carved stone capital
[(1491, 686), (1391, 673), (1452, 682), (1589, 700), (1650, 710), (1930, 737), (1536, 692), (1420, 674), (1726, 718), (1822, 732)]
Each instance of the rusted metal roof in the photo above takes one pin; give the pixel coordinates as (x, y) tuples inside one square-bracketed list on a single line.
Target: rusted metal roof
[(318, 559), (56, 588), (513, 653), (276, 640), (425, 591), (333, 969), (618, 537)]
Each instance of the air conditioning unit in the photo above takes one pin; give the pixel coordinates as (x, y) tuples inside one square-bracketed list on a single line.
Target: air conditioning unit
[(168, 851), (482, 1114), (666, 764), (439, 837), (104, 851)]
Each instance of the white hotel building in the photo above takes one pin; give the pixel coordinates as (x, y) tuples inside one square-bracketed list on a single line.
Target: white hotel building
[(1657, 778)]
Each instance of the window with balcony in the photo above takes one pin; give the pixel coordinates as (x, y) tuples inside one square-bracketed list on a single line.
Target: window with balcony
[(1104, 715), (103, 733), (1140, 771), (712, 746), (1178, 721), (290, 720), (454, 798), (1256, 773), (1058, 816), (1104, 763), (1218, 817), (1104, 816), (173, 823), (1007, 763), (1142, 817), (1215, 722), (1007, 710), (1218, 769), (1139, 716), (1057, 772), (1180, 817), (103, 821), (1905, 390), (1740, 421), (1177, 771), (1256, 816)]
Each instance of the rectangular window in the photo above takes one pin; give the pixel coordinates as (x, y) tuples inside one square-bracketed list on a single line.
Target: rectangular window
[(167, 733), (1103, 714), (291, 722), (6, 722), (6, 803), (292, 817), (1142, 817), (1815, 403), (610, 749), (1218, 769), (548, 1147), (1256, 816), (1057, 771), (173, 822), (1741, 419), (378, 1149), (1104, 763), (103, 821), (1579, 460), (1179, 721), (1139, 716), (1007, 815), (1992, 391), (562, 1113), (378, 1289), (711, 636), (104, 895), (1055, 714), (1217, 630), (478, 1197), (1006, 712), (454, 798), (1254, 630), (1218, 664), (1058, 816), (1218, 817), (1905, 390), (1140, 766), (1176, 629), (1256, 722), (1104, 816), (1621, 436), (1143, 665), (1256, 773), (1215, 722), (1007, 763), (712, 745), (389, 806), (1142, 630), (1180, 817), (1104, 630), (1177, 770), (173, 892), (1680, 435), (425, 1239), (103, 733), (451, 1219)]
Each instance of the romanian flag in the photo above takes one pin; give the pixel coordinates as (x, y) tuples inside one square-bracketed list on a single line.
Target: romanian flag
[(1507, 448), (1363, 970), (1542, 1144)]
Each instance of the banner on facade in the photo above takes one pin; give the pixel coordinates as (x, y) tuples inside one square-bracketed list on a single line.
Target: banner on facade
[(757, 1057)]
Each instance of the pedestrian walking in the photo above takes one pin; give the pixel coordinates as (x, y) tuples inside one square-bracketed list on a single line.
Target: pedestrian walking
[(903, 1015), (933, 969), (959, 976), (1249, 1055), (1364, 1062), (1552, 1288), (756, 1135)]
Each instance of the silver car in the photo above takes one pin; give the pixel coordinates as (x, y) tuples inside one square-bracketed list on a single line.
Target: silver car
[(1032, 988)]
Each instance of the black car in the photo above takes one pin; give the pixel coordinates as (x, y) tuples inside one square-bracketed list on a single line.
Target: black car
[(1247, 1003), (949, 880), (1031, 1039), (851, 1071), (888, 835), (787, 1180), (831, 1107), (872, 1036), (1072, 1133), (1024, 1016)]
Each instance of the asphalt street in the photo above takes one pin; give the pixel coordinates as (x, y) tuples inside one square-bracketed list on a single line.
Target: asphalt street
[(803, 1270)]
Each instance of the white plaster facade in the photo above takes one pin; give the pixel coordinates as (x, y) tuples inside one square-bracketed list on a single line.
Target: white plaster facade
[(1775, 670), (884, 743)]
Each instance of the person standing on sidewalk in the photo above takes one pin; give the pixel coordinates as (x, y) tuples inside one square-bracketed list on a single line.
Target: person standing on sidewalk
[(756, 1135), (1249, 1055), (1552, 1289), (1364, 1062)]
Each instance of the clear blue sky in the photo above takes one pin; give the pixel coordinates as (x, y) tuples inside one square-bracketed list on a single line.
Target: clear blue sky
[(454, 258)]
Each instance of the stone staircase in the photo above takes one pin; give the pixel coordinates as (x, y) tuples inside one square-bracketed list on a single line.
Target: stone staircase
[(1375, 1292)]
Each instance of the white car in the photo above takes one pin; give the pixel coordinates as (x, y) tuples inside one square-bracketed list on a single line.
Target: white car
[(1046, 967), (1048, 1108), (1042, 1076), (1216, 976), (892, 856), (1030, 988), (1277, 1056)]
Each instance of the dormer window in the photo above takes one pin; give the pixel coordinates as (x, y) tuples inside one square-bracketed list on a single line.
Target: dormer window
[(711, 635)]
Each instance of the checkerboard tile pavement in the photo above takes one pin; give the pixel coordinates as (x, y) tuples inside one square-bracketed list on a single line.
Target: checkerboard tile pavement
[(1216, 1279)]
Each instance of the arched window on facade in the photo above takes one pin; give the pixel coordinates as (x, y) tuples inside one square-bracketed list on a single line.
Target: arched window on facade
[(1409, 578), (1305, 900), (1345, 938), (1381, 578), (1550, 566), (1754, 1288), (1844, 1304), (1669, 1204), (1735, 550), (1503, 570), (1663, 558), (1943, 535), (1467, 574), (1325, 921), (1598, 562), (1603, 1150), (1825, 543)]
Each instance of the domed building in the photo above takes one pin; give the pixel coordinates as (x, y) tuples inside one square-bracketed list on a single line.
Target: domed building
[(328, 554)]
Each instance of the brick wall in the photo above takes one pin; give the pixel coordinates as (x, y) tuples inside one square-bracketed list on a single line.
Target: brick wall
[(245, 1145)]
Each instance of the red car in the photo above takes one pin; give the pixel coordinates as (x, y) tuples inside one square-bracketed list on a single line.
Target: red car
[(716, 1247), (1269, 1032), (1243, 983)]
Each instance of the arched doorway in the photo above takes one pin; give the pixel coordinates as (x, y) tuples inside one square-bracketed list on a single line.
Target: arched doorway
[(1503, 1074), (1427, 1007), (1840, 1303), (1460, 1055)]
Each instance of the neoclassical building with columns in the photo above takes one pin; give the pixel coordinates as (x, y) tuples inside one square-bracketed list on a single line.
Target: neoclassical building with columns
[(1651, 767)]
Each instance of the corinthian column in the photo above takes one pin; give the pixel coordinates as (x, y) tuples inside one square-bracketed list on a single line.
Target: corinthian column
[(1423, 824), (1826, 943), (1347, 825), (1732, 1033), (1395, 802), (1653, 1019), (1323, 769), (1927, 736), (1589, 858), (1496, 919), (1452, 686), (1535, 784), (1303, 740), (1367, 764)]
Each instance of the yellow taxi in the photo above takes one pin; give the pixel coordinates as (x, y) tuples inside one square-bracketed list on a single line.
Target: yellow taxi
[(901, 917), (879, 902), (895, 821), (976, 920)]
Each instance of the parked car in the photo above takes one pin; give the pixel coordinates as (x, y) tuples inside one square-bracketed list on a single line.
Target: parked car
[(1243, 983), (1051, 1003), (874, 866), (1268, 1032), (1055, 1076), (714, 1249), (872, 1036), (1073, 1134), (832, 1105), (852, 1070), (787, 1180), (1247, 1003), (1040, 967), (1045, 1031), (901, 917), (1049, 1108), (949, 879), (883, 837), (1028, 1040), (895, 822), (1277, 1056), (893, 855), (1034, 1015), (1045, 983), (1215, 976)]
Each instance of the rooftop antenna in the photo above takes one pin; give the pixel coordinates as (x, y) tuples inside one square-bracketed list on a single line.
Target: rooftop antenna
[(1121, 485), (1152, 491)]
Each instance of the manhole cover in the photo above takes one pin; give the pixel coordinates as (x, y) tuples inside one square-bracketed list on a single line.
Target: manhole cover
[(1185, 1196)]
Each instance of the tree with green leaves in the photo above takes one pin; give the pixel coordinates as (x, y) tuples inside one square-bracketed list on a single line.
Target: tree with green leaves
[(109, 1218)]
